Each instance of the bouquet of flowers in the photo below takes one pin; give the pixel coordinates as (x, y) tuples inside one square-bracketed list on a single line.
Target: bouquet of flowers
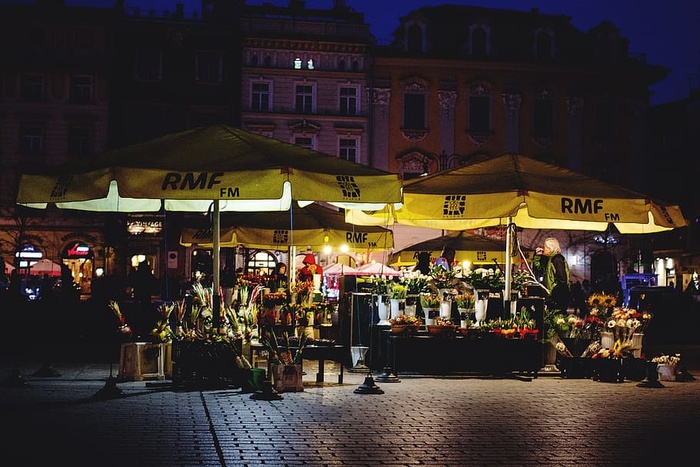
[(380, 284), (601, 305), (397, 290), (667, 359), (485, 279), (465, 300), (405, 320), (123, 328), (623, 323), (429, 301), (270, 300), (441, 278), (415, 282), (519, 281)]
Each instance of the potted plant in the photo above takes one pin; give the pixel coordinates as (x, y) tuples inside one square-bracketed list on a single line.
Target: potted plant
[(285, 361), (430, 305), (404, 324), (380, 285), (465, 301), (441, 278), (398, 291), (442, 327), (485, 279)]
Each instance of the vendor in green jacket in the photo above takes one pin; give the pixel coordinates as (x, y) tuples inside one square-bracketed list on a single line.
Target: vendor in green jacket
[(551, 266)]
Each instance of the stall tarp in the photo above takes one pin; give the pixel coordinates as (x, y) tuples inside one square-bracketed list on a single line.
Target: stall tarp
[(46, 266), (314, 226), (476, 249)]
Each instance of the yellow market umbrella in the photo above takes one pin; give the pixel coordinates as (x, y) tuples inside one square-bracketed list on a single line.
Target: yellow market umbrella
[(476, 249), (217, 168), (314, 226), (186, 171), (517, 190)]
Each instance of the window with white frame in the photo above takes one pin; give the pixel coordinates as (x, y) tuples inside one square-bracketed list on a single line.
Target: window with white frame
[(31, 138), (414, 107), (304, 98), (347, 149), (81, 89), (304, 141), (32, 87), (348, 100), (148, 65), (260, 96), (209, 67)]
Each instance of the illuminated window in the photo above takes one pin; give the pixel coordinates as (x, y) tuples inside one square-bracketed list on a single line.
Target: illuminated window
[(261, 262)]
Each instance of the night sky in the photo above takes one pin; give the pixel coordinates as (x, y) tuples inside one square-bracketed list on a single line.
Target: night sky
[(668, 31)]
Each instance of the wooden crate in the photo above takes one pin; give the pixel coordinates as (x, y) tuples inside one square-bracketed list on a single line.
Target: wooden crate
[(145, 360)]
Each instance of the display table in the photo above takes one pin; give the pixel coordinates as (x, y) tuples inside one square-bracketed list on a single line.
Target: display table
[(206, 362), (488, 354), (321, 353)]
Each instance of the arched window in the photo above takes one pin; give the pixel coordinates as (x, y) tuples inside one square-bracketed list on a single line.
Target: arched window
[(261, 262), (414, 36), (479, 36), (544, 47)]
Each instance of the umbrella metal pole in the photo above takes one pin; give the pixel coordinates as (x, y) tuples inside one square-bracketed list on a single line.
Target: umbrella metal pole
[(216, 297), (509, 264)]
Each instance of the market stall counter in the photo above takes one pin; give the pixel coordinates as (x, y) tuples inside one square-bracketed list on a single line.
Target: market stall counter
[(486, 353)]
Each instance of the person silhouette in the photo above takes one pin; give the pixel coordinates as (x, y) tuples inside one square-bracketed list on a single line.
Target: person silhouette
[(423, 263)]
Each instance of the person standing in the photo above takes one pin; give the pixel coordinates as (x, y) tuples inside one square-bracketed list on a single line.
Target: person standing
[(551, 266), (693, 288), (423, 263), (306, 274), (447, 258)]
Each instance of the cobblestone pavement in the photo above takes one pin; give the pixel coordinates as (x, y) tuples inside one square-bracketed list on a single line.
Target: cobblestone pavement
[(418, 421)]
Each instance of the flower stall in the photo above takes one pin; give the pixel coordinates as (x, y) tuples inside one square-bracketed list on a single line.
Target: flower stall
[(605, 345)]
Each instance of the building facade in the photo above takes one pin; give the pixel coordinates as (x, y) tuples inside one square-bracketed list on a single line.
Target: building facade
[(456, 85)]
